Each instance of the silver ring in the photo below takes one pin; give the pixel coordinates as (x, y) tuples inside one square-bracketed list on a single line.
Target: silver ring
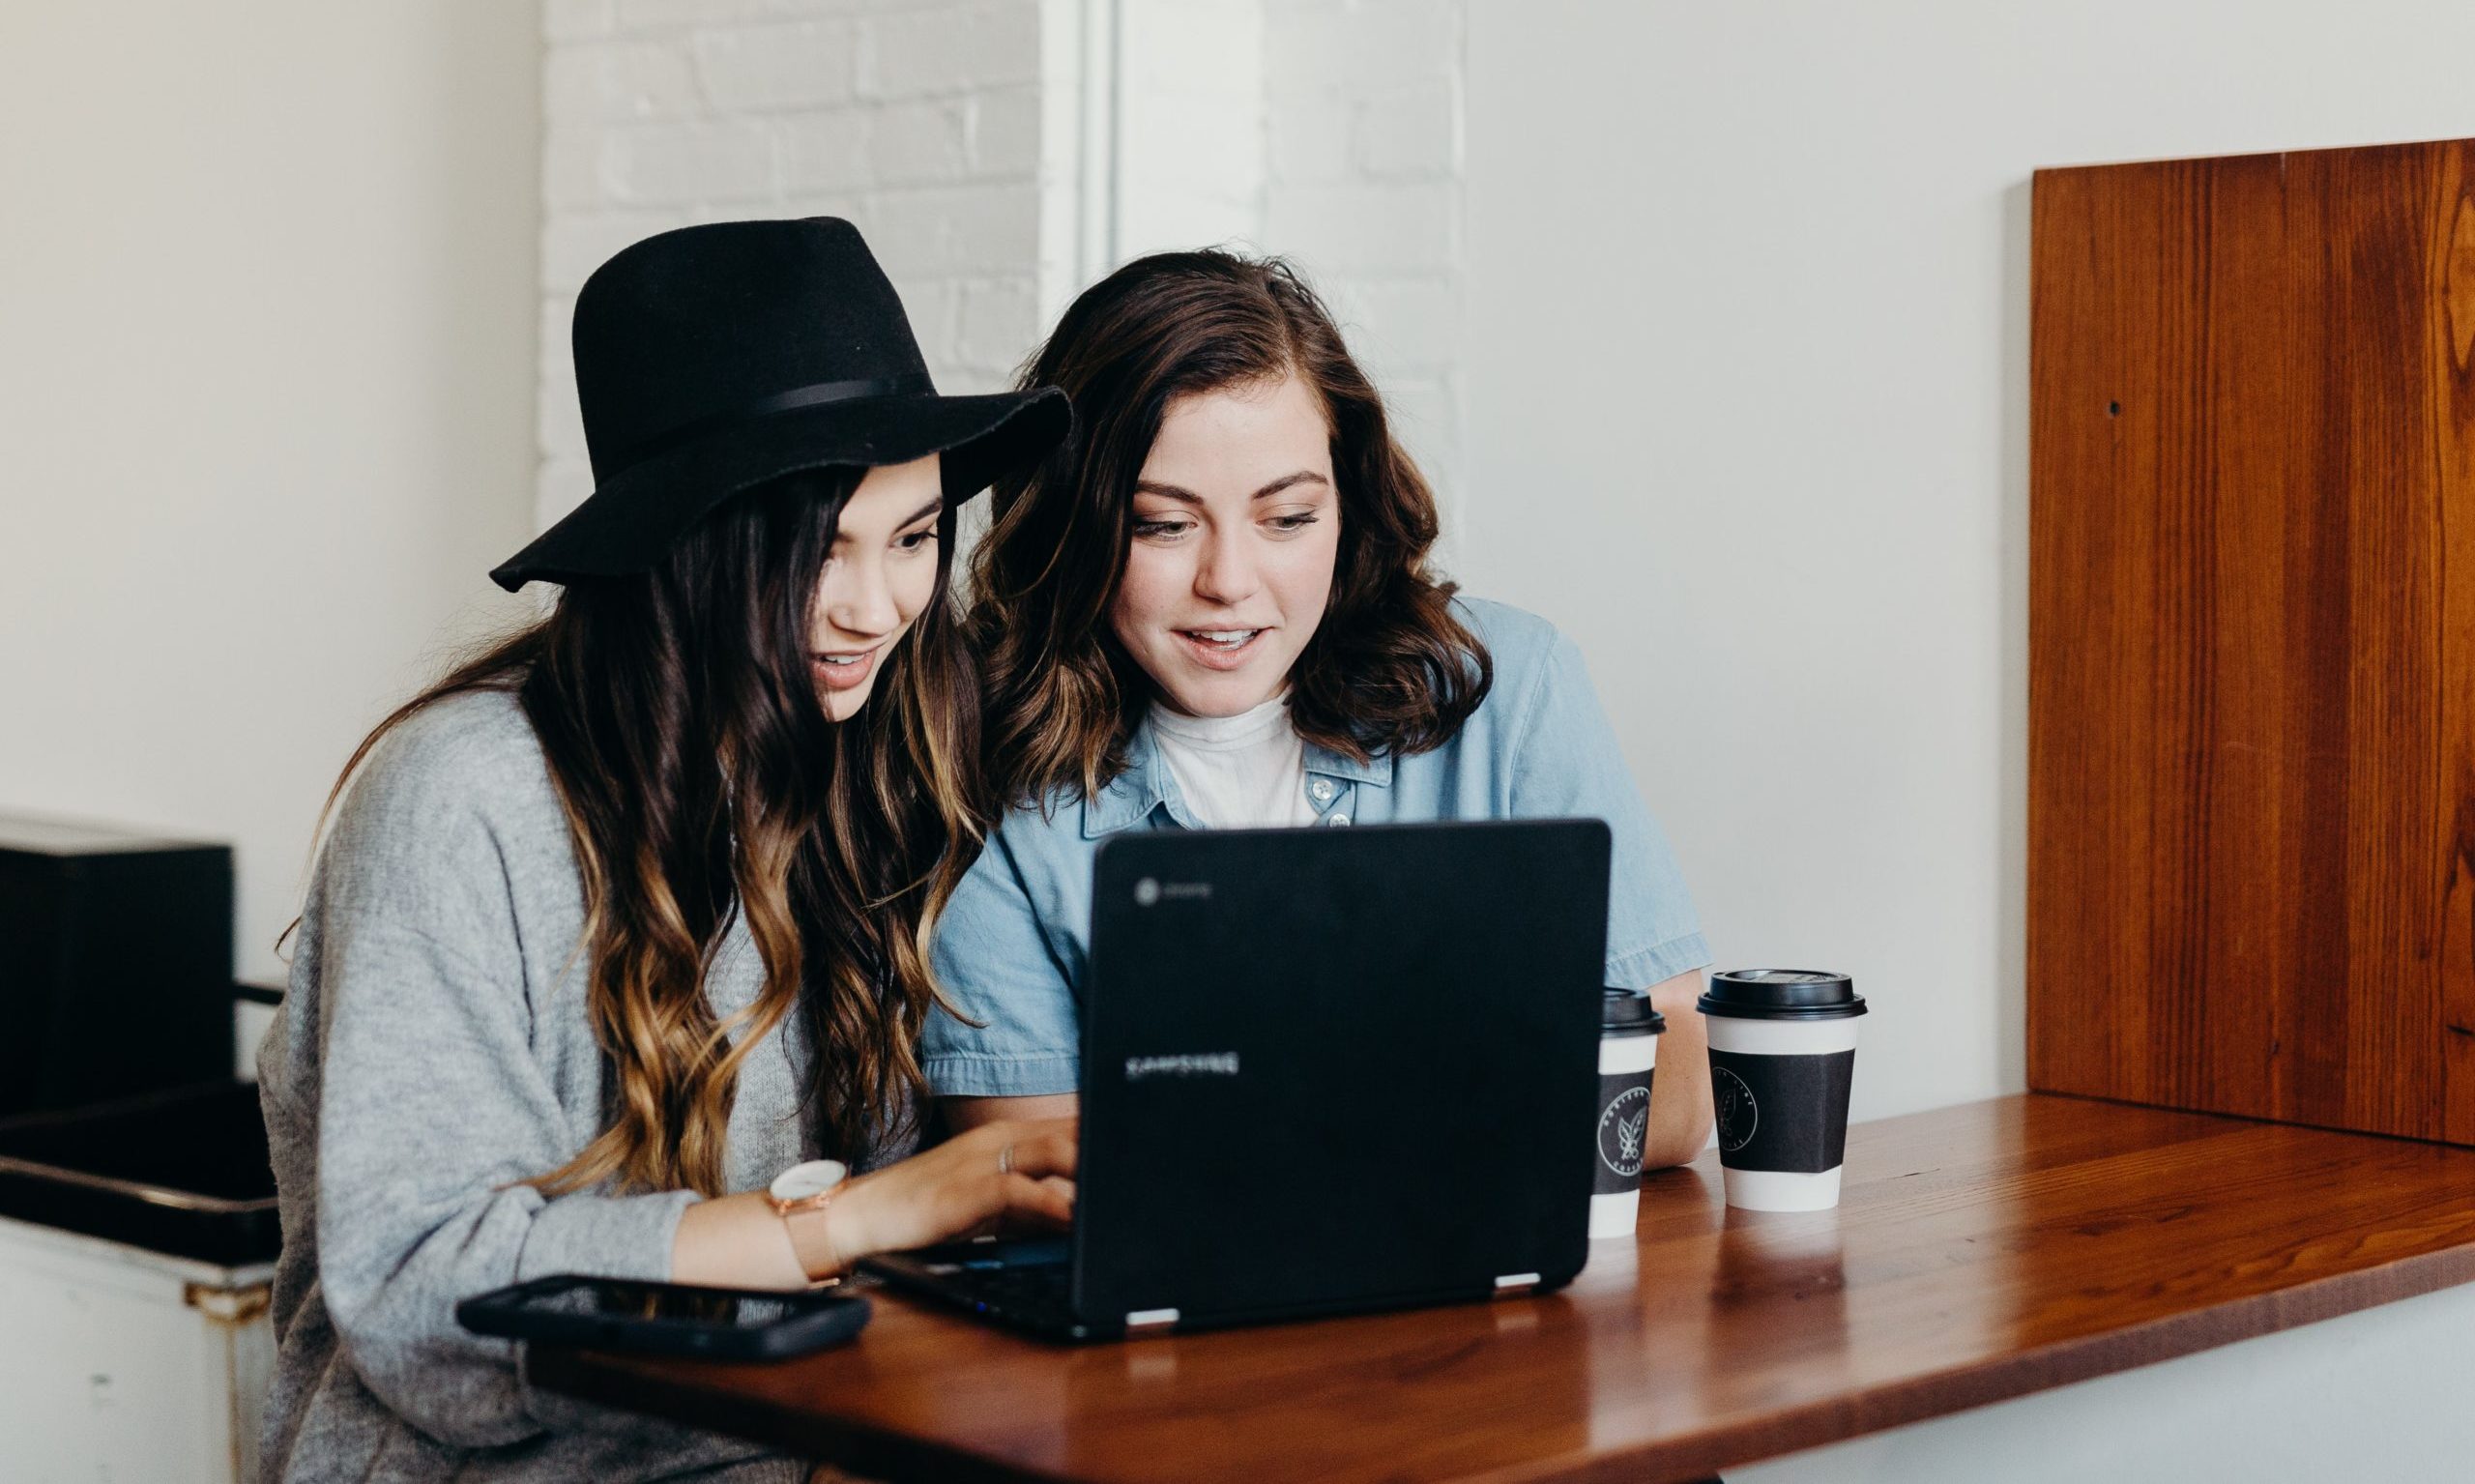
[(1006, 1160)]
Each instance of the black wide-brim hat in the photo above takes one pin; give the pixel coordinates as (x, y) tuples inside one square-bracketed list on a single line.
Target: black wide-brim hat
[(715, 358)]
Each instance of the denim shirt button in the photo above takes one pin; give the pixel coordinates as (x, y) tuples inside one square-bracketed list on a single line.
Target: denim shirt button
[(1322, 789), (1336, 819)]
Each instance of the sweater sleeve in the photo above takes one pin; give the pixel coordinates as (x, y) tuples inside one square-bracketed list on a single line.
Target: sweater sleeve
[(430, 1109)]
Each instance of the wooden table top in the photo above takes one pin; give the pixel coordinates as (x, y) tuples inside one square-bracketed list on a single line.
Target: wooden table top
[(1979, 1252)]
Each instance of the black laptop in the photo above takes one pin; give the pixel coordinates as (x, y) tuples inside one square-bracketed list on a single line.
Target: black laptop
[(1324, 1070)]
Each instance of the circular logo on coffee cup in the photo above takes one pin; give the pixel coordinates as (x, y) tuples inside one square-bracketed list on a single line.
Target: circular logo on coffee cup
[(1622, 1126), (1146, 891), (1738, 1115)]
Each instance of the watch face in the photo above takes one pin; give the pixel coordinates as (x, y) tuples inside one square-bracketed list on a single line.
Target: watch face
[(815, 1178)]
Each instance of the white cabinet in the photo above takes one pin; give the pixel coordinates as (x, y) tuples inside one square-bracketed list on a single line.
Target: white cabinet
[(119, 1364)]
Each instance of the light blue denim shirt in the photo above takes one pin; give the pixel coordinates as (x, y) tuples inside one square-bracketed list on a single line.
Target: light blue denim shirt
[(1011, 946)]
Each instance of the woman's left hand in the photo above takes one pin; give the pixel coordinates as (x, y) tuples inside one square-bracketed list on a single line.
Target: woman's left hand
[(1006, 1169), (1013, 1168)]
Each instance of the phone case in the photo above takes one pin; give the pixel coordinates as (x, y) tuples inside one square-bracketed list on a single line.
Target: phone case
[(815, 1321)]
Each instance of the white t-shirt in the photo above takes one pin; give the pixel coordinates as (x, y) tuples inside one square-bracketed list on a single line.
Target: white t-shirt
[(1241, 771)]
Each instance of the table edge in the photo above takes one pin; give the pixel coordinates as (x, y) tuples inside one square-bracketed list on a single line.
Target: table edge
[(813, 1437), (1858, 1411), (1862, 1411)]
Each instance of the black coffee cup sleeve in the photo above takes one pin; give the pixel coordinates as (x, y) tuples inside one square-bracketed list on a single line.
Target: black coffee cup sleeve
[(1623, 1131), (1782, 1112)]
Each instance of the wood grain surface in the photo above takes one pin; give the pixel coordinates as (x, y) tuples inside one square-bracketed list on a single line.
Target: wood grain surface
[(1979, 1253), (2252, 635)]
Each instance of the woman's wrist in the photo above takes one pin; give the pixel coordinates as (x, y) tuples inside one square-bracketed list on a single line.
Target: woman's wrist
[(826, 1240), (734, 1242)]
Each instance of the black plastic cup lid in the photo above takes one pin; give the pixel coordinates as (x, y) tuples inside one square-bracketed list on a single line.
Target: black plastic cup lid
[(1628, 1012), (1782, 994)]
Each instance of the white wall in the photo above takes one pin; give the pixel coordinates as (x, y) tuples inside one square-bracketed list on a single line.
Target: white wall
[(1187, 161), (1001, 155), (1364, 100), (919, 120), (265, 396), (1745, 361), (1327, 131)]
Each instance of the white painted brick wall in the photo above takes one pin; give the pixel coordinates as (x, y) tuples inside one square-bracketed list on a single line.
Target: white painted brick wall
[(756, 69), (995, 170), (1190, 125), (919, 120), (1362, 188), (924, 49), (1327, 131)]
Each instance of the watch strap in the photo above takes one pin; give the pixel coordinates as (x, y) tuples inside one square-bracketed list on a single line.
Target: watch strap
[(809, 1241)]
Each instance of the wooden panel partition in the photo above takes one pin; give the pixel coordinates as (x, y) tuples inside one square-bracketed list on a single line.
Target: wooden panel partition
[(2252, 632)]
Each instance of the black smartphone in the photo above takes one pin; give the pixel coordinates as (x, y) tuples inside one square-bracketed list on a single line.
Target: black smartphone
[(666, 1319)]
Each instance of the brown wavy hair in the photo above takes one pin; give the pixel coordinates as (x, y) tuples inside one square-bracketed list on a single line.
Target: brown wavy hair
[(702, 780), (1390, 669)]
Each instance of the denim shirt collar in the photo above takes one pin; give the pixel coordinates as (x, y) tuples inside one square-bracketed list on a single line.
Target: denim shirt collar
[(1130, 797), (1324, 763)]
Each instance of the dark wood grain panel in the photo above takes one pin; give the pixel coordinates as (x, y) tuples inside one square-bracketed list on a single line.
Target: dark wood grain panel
[(2251, 807), (2450, 370), (1980, 1253)]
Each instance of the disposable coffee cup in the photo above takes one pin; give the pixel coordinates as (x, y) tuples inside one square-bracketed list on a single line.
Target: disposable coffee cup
[(1783, 1057), (1628, 1052)]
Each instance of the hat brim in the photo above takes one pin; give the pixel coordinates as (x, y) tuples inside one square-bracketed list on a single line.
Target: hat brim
[(633, 519)]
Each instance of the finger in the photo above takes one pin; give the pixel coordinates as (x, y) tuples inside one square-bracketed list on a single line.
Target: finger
[(1016, 1223), (1043, 1154), (1061, 1190), (1050, 1199)]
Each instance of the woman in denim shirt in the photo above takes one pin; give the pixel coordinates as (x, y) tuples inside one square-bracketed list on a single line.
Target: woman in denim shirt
[(1212, 608)]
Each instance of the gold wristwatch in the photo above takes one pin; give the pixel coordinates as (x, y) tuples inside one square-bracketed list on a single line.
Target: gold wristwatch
[(800, 1195)]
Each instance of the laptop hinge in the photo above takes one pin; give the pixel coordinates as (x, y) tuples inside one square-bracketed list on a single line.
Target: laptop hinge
[(1141, 1321), (1513, 1285)]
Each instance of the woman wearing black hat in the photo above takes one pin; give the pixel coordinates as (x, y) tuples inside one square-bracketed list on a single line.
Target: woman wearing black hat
[(629, 912)]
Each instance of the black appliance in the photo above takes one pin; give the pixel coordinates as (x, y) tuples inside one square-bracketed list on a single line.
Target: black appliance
[(184, 1172), (115, 964)]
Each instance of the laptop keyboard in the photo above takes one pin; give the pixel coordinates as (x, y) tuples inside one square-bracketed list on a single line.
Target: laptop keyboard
[(1043, 1290), (1030, 1282)]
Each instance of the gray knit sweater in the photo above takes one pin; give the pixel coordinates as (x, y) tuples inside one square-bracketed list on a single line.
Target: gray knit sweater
[(432, 1052)]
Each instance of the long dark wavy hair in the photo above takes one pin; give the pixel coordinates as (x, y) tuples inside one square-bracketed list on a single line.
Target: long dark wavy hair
[(1390, 669), (702, 779)]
